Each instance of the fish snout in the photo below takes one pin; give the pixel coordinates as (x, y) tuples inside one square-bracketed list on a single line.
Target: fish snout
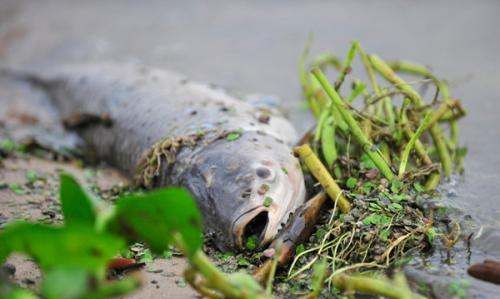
[(269, 211)]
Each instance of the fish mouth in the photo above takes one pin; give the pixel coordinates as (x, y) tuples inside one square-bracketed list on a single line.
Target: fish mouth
[(264, 222), (253, 222), (258, 221)]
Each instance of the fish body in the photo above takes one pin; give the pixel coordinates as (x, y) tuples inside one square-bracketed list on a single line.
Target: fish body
[(162, 129)]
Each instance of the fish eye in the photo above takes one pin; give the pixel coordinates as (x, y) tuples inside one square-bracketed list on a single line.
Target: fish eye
[(263, 172)]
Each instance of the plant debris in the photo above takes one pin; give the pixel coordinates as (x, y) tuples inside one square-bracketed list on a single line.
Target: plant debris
[(381, 158)]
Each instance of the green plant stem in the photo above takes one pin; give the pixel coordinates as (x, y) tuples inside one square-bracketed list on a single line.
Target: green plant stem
[(319, 274), (354, 127), (328, 145), (215, 278), (386, 101), (346, 66), (116, 288), (319, 171), (272, 271), (409, 146), (433, 181), (374, 286), (359, 88), (435, 130)]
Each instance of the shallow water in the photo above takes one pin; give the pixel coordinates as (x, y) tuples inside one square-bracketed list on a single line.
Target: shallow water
[(254, 46)]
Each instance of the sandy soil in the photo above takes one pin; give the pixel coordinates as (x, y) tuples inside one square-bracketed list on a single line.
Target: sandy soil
[(161, 279)]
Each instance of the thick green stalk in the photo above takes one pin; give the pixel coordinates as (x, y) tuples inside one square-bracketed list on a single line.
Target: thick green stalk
[(359, 88), (354, 127), (415, 69), (400, 84), (319, 171), (386, 102), (374, 286), (346, 66), (409, 146), (216, 279)]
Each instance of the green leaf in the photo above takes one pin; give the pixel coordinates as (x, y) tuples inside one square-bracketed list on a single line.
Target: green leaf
[(366, 162), (243, 281), (368, 187), (7, 145), (146, 257), (65, 283), (31, 176), (18, 293), (234, 135), (384, 234), (243, 262), (51, 247), (395, 207), (156, 216), (418, 187), (299, 249), (77, 205), (267, 201), (377, 219), (431, 234), (252, 242), (396, 186), (351, 183), (17, 189)]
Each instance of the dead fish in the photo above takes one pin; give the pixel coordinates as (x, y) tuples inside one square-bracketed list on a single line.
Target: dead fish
[(162, 129)]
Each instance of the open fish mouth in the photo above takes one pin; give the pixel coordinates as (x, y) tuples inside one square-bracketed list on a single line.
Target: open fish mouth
[(256, 222)]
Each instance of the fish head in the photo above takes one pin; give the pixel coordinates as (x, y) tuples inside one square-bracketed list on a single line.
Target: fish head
[(249, 187)]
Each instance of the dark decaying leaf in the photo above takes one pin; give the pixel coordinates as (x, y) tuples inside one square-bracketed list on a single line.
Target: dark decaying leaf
[(74, 246), (77, 205), (156, 216)]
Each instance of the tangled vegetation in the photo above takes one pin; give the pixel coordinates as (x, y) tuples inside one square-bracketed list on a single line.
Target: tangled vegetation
[(378, 158)]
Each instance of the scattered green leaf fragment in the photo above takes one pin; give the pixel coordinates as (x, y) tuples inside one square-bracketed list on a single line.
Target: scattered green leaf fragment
[(167, 254), (284, 170), (377, 219), (7, 145), (268, 201), (234, 135), (299, 249), (17, 189), (396, 186), (384, 234), (226, 256), (366, 162), (368, 187), (351, 183), (31, 176), (418, 187), (458, 289), (252, 242), (395, 207), (243, 262), (431, 234), (146, 257)]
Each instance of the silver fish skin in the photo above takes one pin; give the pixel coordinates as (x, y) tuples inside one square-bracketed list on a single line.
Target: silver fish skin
[(234, 158)]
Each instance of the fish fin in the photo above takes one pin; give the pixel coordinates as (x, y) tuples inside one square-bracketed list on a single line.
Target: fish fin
[(28, 117)]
